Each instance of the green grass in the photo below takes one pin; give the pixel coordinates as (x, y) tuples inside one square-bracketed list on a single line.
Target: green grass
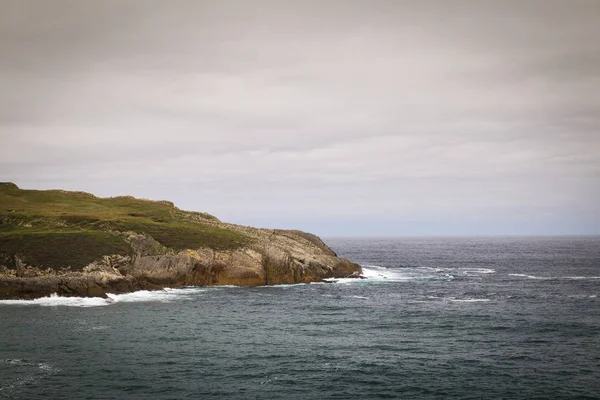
[(181, 235), (57, 228), (61, 204), (59, 249)]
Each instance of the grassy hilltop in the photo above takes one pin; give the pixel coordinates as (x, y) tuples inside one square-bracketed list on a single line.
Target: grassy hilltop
[(55, 228)]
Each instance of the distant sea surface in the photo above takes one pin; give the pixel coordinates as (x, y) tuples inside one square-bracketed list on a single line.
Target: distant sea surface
[(467, 318)]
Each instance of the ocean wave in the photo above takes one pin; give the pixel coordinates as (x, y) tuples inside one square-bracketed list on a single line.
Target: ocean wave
[(19, 362), (379, 274), (469, 271), (454, 299), (163, 296), (527, 276), (383, 274), (56, 300), (28, 373), (478, 270), (283, 285), (554, 277), (469, 300), (580, 277)]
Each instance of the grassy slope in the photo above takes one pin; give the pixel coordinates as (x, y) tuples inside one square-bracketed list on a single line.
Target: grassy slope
[(55, 228)]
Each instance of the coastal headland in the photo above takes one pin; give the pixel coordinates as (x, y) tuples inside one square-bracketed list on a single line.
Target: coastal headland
[(77, 244)]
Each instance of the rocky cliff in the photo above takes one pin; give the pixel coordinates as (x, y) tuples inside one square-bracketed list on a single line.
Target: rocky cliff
[(73, 243)]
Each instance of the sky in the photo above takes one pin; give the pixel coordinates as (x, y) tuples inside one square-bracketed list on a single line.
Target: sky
[(343, 118)]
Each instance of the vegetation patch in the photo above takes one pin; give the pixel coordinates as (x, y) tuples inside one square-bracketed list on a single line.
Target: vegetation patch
[(180, 235), (59, 249), (56, 228)]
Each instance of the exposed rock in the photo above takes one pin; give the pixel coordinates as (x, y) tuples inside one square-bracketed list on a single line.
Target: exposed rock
[(268, 257), (144, 245), (278, 257)]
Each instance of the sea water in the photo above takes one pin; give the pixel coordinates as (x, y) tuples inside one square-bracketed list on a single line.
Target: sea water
[(434, 318)]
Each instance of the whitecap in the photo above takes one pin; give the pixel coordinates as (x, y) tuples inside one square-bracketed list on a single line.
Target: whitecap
[(46, 367), (56, 300), (164, 296), (100, 327), (528, 276), (29, 373), (227, 286), (469, 300), (555, 277), (285, 285), (13, 361), (581, 277), (379, 274), (478, 270)]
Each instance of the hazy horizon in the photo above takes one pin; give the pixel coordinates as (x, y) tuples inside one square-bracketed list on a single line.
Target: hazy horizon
[(342, 118)]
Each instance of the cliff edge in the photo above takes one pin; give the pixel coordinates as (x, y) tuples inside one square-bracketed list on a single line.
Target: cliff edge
[(77, 244)]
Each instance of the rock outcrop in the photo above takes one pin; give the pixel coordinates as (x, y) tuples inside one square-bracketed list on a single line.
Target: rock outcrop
[(276, 257), (265, 257)]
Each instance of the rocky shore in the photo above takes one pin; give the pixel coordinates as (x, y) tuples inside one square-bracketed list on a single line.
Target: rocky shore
[(265, 257)]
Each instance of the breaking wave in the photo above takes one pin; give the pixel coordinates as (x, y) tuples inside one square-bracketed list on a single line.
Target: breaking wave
[(468, 300), (379, 274), (162, 296), (554, 277)]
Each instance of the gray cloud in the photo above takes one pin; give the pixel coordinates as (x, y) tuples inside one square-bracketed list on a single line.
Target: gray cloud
[(468, 116)]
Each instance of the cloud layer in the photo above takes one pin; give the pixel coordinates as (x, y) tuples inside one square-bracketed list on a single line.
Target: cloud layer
[(341, 117)]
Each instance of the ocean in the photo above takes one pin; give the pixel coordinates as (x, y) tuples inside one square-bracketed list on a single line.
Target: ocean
[(465, 318)]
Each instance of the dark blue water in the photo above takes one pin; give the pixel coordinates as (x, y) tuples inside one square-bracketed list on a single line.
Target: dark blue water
[(437, 318)]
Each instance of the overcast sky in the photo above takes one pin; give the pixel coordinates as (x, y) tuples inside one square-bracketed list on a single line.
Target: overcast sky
[(338, 117)]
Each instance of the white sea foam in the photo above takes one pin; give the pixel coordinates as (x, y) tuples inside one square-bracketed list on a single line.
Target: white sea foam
[(56, 300), (375, 272), (46, 367), (383, 274), (164, 296), (555, 277), (378, 274), (461, 270), (283, 285), (100, 327), (29, 373), (12, 361), (478, 270), (469, 300), (526, 276), (371, 273), (580, 277)]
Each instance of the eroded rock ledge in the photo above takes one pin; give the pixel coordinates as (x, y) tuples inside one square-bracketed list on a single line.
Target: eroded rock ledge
[(274, 257), (77, 244)]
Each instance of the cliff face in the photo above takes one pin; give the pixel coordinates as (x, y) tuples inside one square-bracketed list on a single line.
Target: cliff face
[(156, 246)]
